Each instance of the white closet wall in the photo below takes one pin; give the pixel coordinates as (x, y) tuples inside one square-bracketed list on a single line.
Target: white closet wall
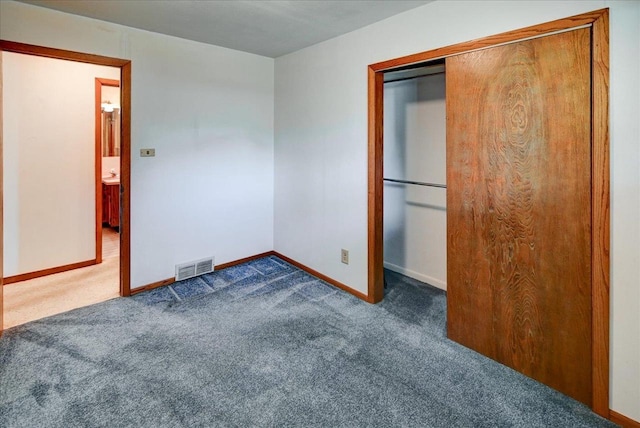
[(415, 218)]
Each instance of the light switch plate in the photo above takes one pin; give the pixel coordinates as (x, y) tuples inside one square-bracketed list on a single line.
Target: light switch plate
[(147, 153)]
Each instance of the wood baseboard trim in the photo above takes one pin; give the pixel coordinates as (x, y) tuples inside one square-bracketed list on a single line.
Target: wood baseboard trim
[(315, 273), (44, 272), (246, 259), (622, 420), (153, 285), (171, 280), (324, 277)]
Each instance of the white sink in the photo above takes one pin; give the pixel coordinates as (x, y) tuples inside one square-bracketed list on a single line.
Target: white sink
[(111, 180)]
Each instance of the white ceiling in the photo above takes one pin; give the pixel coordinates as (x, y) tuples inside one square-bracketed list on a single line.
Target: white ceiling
[(269, 28)]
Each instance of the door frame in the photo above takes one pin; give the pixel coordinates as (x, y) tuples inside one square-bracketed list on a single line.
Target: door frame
[(598, 21), (99, 83), (125, 151)]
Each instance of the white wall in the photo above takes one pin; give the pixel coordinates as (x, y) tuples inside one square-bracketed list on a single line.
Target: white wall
[(415, 217), (110, 163), (321, 147), (49, 151), (625, 206), (208, 112)]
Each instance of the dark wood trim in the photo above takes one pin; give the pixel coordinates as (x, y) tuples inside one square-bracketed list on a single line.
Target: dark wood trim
[(600, 203), (44, 272), (153, 285), (375, 290), (125, 138), (1, 206), (622, 420), (171, 280), (598, 20), (125, 179), (244, 260), (323, 277), (108, 82), (497, 39), (99, 83), (23, 48), (98, 168), (222, 266)]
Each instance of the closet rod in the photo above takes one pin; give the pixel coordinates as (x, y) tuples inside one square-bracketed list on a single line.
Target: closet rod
[(419, 183)]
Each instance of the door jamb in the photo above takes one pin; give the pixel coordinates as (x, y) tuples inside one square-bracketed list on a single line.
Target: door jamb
[(125, 143), (600, 187), (1, 203)]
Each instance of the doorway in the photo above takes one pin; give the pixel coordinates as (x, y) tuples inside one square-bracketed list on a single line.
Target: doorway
[(125, 77), (107, 164), (597, 23)]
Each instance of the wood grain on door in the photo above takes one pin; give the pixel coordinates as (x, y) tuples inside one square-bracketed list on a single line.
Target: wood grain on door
[(519, 207)]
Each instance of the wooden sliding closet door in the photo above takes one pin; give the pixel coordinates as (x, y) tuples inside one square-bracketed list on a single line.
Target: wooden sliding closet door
[(519, 207)]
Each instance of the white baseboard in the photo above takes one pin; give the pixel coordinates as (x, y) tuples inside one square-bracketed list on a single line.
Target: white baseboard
[(416, 275)]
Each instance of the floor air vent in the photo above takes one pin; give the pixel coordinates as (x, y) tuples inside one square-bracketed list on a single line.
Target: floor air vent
[(191, 269)]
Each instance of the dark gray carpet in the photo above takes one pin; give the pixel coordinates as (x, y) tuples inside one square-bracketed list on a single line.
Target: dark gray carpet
[(264, 344)]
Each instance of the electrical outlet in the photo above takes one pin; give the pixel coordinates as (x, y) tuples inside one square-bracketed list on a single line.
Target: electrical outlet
[(344, 254), (147, 153)]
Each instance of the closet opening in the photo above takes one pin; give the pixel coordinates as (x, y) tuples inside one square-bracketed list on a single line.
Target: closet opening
[(414, 176)]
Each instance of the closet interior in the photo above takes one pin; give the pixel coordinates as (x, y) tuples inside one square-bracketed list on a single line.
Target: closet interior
[(415, 217)]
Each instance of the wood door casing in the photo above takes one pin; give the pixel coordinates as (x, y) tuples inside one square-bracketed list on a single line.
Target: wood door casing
[(1, 203), (519, 207)]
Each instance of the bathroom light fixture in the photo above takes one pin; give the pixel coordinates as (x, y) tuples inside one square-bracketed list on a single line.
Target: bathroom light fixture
[(108, 107)]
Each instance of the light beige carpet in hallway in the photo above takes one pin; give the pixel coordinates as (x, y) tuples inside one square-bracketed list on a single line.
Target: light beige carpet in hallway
[(53, 294)]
